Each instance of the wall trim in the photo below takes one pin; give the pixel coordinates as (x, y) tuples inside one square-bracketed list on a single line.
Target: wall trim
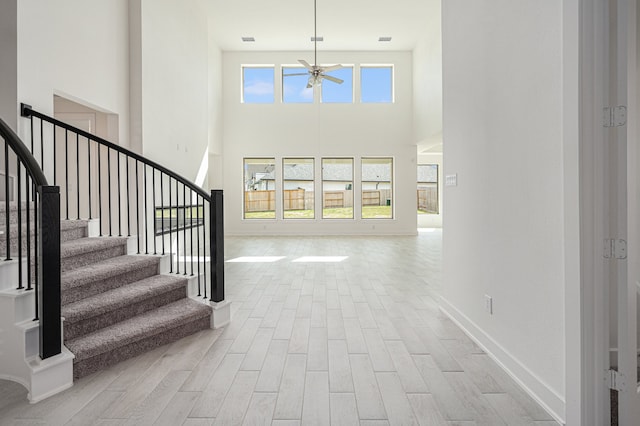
[(548, 398)]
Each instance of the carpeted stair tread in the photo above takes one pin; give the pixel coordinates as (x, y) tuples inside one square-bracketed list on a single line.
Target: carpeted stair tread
[(155, 322), (66, 225), (106, 275), (122, 297), (90, 244)]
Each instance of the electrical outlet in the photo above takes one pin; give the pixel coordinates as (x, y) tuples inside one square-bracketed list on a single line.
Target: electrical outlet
[(488, 304)]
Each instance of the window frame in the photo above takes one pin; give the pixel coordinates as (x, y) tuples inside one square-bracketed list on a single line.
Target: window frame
[(243, 67), (353, 95), (437, 186), (312, 161), (391, 82), (244, 188), (322, 183), (282, 85), (389, 201)]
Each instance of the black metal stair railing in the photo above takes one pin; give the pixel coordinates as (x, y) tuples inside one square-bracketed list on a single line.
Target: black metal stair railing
[(130, 195), (32, 237)]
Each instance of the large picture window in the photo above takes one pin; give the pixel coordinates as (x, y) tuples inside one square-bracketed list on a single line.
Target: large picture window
[(298, 188), (259, 188), (337, 188), (377, 188), (428, 189), (257, 84), (376, 84)]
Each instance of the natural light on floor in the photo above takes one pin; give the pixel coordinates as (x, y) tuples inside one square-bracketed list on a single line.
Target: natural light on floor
[(256, 259), (320, 259), (426, 230)]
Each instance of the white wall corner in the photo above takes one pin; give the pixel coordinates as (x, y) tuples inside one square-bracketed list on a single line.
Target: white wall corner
[(544, 395), (221, 314)]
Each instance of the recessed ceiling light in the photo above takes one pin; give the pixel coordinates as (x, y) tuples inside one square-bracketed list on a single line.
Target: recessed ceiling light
[(248, 39), (384, 38), (319, 38)]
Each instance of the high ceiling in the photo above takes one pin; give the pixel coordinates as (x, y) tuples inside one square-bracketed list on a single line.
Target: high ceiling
[(352, 25)]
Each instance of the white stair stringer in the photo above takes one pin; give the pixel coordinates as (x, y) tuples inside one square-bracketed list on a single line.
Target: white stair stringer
[(19, 343)]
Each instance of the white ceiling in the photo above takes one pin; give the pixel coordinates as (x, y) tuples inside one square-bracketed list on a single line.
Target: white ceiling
[(287, 25)]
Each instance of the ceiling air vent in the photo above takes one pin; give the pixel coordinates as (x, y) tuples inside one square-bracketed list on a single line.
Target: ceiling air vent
[(248, 39), (319, 38), (384, 38)]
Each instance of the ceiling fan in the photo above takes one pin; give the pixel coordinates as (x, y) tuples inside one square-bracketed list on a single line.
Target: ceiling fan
[(316, 72)]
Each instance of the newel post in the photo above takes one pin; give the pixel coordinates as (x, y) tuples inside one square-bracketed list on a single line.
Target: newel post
[(216, 242), (48, 278)]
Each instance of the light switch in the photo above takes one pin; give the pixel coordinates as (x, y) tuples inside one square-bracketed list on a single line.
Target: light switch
[(451, 180)]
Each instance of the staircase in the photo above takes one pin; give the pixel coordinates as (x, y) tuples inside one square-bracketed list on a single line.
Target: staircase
[(116, 306), (118, 296)]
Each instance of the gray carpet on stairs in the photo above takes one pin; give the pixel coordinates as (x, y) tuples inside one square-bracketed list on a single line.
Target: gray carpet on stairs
[(117, 306)]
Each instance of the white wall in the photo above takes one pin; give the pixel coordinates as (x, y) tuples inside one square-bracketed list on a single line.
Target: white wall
[(427, 81), (8, 63), (174, 43), (216, 180), (505, 220), (77, 49), (433, 220), (319, 130)]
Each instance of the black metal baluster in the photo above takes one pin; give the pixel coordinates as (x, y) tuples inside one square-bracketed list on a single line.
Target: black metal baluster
[(153, 206), (89, 175), (184, 227), (42, 145), (146, 211), (137, 207), (198, 242), (19, 173), (36, 224), (119, 197), (6, 199), (170, 227), (128, 198), (99, 190), (78, 174), (66, 172), (155, 211), (109, 186), (27, 185), (177, 227), (54, 155), (191, 227), (204, 257), (31, 124)]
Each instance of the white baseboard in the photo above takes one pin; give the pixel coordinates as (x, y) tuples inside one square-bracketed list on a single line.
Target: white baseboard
[(548, 398)]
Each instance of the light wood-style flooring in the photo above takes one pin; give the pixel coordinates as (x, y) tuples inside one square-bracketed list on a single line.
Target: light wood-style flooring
[(325, 331)]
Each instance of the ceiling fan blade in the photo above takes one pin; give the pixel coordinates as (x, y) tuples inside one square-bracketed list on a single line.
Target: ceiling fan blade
[(306, 64), (298, 73), (332, 68), (332, 78)]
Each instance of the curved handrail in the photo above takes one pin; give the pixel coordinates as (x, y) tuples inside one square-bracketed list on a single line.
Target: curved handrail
[(27, 111), (23, 154)]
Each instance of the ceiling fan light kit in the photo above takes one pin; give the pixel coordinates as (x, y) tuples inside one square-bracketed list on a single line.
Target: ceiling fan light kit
[(316, 72)]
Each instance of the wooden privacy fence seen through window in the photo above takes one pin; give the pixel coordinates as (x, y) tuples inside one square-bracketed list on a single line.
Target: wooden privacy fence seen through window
[(259, 201), (265, 200), (428, 200)]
